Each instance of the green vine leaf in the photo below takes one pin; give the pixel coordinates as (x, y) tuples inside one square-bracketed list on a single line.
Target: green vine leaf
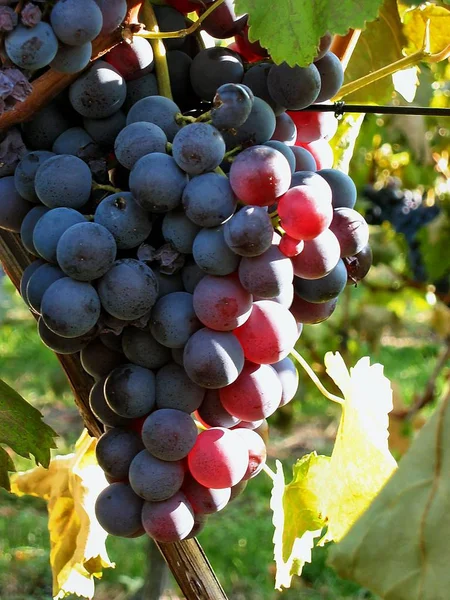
[(433, 239), (22, 429), (398, 548), (379, 45), (292, 31)]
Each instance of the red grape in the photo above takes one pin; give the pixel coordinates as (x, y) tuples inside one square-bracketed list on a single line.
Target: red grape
[(257, 452), (290, 247), (312, 126), (319, 256), (322, 153)]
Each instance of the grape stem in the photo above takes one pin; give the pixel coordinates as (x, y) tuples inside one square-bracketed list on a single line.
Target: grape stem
[(229, 156), (268, 471), (219, 171), (302, 362), (184, 119), (107, 188), (159, 50), (155, 34)]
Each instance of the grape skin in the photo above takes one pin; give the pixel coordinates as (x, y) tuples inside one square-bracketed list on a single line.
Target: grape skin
[(173, 319), (60, 344), (208, 200), (72, 141), (175, 390), (191, 275), (343, 189), (304, 161), (169, 521), (256, 79), (212, 254), (169, 434), (212, 67), (268, 274), (221, 303), (318, 257), (141, 348), (213, 359), (249, 232), (351, 230), (170, 19), (138, 139), (179, 230), (100, 408), (25, 173), (132, 60), (46, 125), (128, 290), (153, 479), (219, 458), (63, 172), (198, 148), (294, 87), (157, 183), (98, 93), (158, 110), (76, 22), (323, 289), (331, 76), (13, 208), (28, 225), (231, 107), (256, 393), (31, 49), (285, 150), (49, 230), (116, 449), (140, 88), (312, 313), (26, 275), (257, 129), (39, 283), (257, 452), (212, 412), (113, 12), (205, 501), (130, 391), (98, 360), (118, 510), (288, 376), (70, 308), (104, 131), (72, 59), (285, 130), (129, 224), (86, 251)]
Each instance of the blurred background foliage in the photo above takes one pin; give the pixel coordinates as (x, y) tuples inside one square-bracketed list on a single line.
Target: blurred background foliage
[(399, 316)]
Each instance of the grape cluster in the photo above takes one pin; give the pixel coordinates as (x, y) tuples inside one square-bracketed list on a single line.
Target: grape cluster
[(38, 34), (408, 212), (186, 289)]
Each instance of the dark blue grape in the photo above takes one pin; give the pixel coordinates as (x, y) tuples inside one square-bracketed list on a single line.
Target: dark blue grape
[(169, 434), (114, 12), (116, 449), (212, 67), (118, 510), (86, 251), (130, 391), (70, 308), (324, 289), (179, 231), (168, 521), (125, 219), (294, 87), (158, 110), (331, 76), (170, 19), (72, 141), (304, 161), (33, 48), (175, 390), (268, 274), (13, 207), (128, 290), (76, 22), (256, 79), (157, 183), (285, 150), (212, 412), (141, 348), (154, 479), (26, 172), (224, 22), (198, 148), (104, 131), (138, 89), (191, 274), (231, 107), (288, 376), (72, 59), (26, 275), (285, 130), (208, 200), (101, 409), (249, 232), (213, 359), (39, 282), (28, 225), (212, 254), (138, 139), (98, 93), (179, 64), (48, 231), (63, 180), (257, 129), (342, 188), (60, 344), (98, 360), (41, 132), (169, 283), (173, 320)]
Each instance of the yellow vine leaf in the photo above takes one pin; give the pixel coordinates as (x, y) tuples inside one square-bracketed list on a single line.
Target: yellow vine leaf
[(297, 515), (361, 461), (334, 491), (414, 26), (399, 547), (71, 485)]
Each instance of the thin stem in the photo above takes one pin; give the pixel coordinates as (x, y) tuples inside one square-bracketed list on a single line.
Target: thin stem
[(155, 34), (268, 471), (204, 117), (232, 152), (302, 362), (184, 119), (219, 171), (169, 147), (159, 50), (107, 188)]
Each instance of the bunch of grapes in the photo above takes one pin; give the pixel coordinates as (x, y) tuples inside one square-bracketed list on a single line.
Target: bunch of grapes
[(186, 288), (38, 34)]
